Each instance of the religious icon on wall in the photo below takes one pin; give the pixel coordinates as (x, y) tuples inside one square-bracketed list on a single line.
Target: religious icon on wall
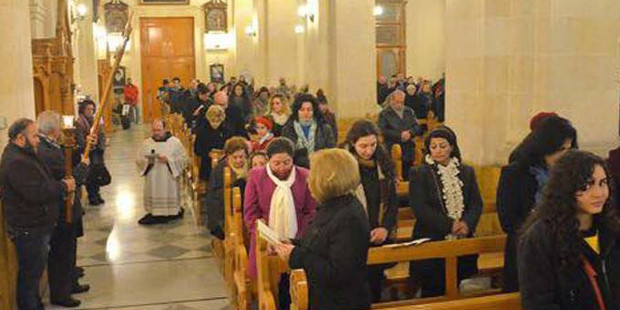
[(164, 1), (116, 16), (119, 80), (216, 16), (217, 73)]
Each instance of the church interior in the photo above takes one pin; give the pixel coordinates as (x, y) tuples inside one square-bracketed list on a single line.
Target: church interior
[(490, 67)]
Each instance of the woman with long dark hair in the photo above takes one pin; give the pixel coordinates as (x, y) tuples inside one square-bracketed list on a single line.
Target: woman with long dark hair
[(569, 253), (242, 99), (307, 129), (446, 201), (521, 183), (377, 191)]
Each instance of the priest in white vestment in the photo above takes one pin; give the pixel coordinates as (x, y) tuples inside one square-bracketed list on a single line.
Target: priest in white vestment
[(161, 160)]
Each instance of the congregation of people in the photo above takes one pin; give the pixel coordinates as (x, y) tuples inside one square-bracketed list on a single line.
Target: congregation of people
[(331, 202)]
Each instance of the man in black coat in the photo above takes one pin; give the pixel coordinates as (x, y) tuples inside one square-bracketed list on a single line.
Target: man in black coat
[(234, 116), (197, 105), (63, 240), (399, 126), (30, 197)]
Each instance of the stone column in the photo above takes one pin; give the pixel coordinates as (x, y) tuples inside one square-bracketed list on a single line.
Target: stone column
[(16, 81), (508, 60), (352, 57), (86, 58)]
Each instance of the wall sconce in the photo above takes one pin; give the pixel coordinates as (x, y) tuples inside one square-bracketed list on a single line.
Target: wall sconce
[(303, 12), (67, 122), (250, 31), (378, 10), (299, 29), (81, 11)]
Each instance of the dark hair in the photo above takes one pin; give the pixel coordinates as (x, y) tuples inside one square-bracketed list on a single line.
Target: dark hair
[(166, 82), (546, 140), (244, 92), (559, 207), (202, 89), (176, 79), (263, 89), (281, 145), (256, 154), (84, 103), (363, 128), (19, 126), (299, 101), (447, 133)]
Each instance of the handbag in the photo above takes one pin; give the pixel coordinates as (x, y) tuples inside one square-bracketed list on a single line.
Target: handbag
[(100, 175)]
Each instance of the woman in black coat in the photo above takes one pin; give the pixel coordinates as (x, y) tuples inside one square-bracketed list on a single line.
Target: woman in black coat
[(307, 129), (334, 250), (448, 216), (521, 183), (236, 152), (569, 253), (377, 191), (211, 133)]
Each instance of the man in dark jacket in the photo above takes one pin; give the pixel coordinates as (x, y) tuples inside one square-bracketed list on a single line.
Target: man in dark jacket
[(234, 116), (63, 240), (197, 106), (30, 198), (399, 126)]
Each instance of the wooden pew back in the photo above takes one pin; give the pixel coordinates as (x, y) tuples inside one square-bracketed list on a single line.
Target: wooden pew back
[(510, 301), (8, 267), (243, 283), (270, 269), (448, 250)]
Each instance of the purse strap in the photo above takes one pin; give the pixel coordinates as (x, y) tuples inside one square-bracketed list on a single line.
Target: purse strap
[(591, 273)]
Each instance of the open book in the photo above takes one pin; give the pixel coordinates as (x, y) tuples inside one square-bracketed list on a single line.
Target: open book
[(269, 234), (410, 243)]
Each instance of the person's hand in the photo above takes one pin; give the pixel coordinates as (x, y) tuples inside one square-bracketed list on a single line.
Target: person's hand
[(85, 160), (405, 135), (378, 235), (284, 251), (92, 139), (70, 183), (460, 228), (163, 158), (197, 111)]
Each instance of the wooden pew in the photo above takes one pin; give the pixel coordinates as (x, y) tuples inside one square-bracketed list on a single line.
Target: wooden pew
[(245, 288), (8, 267), (269, 269), (510, 301), (448, 250)]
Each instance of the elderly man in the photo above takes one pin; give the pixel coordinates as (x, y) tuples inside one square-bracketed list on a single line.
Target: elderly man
[(234, 115), (398, 126), (63, 240), (30, 197), (162, 160)]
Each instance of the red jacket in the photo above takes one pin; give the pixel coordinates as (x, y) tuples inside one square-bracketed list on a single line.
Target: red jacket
[(130, 92)]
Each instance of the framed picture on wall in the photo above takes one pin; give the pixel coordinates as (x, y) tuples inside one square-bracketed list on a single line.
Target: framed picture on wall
[(120, 78), (164, 1), (217, 73)]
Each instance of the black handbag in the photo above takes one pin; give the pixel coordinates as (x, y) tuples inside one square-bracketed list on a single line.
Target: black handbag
[(100, 175)]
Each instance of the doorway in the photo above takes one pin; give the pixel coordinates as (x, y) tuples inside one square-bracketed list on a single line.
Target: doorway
[(167, 51)]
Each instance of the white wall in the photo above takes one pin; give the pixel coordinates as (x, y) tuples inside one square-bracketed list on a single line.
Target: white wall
[(425, 20)]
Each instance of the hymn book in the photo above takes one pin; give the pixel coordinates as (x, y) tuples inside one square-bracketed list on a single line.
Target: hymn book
[(269, 234)]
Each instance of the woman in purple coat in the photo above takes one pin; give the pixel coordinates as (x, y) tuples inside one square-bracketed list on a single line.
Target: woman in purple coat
[(271, 193)]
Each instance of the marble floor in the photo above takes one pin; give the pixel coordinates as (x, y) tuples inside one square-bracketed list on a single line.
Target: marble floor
[(129, 266)]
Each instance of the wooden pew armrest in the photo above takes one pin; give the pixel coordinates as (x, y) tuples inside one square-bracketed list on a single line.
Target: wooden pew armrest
[(299, 290)]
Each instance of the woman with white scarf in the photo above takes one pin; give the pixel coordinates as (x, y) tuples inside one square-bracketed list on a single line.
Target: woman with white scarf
[(307, 129), (376, 191), (446, 201), (278, 193)]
